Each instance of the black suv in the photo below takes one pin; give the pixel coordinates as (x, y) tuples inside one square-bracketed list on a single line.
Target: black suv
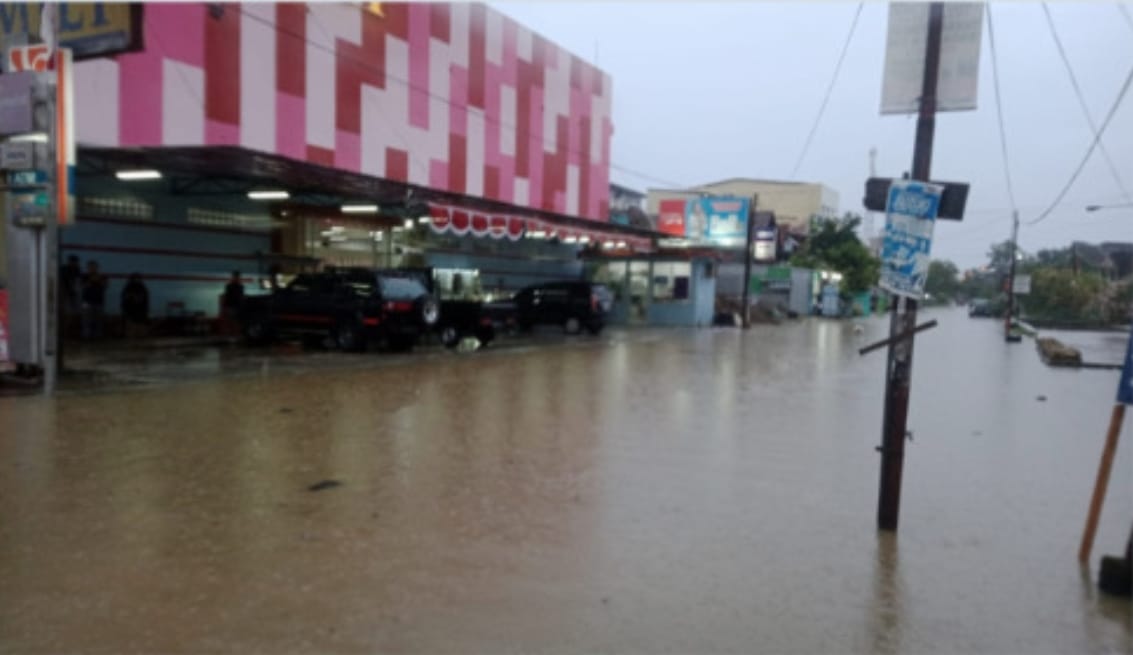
[(459, 317), (352, 306), (573, 305)]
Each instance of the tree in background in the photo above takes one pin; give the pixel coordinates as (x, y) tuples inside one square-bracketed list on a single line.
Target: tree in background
[(834, 245), (943, 281), (1060, 294)]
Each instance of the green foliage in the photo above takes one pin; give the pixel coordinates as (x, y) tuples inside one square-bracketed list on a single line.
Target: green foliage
[(943, 282), (1059, 294), (834, 245)]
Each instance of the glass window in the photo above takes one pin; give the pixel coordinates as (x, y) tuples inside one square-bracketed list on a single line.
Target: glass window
[(671, 281), (401, 288)]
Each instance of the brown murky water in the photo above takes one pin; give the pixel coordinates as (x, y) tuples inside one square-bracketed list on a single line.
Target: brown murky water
[(672, 491)]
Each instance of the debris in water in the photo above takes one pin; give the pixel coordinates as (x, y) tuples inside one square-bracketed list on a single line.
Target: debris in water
[(285, 410), (1041, 399), (325, 484)]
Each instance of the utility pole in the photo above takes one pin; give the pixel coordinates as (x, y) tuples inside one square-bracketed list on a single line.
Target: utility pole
[(900, 358), (748, 254), (1011, 275), (869, 214)]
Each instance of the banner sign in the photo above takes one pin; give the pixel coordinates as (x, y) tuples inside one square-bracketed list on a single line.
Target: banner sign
[(671, 217), (89, 29), (1125, 387), (907, 242), (720, 220), (958, 81)]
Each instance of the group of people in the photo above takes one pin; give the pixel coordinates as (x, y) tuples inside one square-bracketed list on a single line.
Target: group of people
[(83, 294)]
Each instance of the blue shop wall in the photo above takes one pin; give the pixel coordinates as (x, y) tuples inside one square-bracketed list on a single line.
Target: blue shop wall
[(128, 229), (697, 310)]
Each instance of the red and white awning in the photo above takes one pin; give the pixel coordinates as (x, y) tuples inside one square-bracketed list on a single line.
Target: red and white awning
[(461, 221)]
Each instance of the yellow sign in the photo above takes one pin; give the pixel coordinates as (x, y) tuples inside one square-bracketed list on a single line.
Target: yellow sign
[(89, 29)]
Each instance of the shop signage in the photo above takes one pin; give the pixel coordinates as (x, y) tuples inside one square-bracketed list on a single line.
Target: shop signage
[(89, 29), (34, 58), (1125, 386), (18, 156), (671, 217), (907, 242), (29, 209), (24, 179), (717, 220), (16, 114), (1022, 285)]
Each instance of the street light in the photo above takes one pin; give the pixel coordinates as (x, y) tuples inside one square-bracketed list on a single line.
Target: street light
[(1094, 208)]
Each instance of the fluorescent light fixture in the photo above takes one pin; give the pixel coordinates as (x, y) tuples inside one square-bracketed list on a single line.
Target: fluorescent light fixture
[(135, 175), (584, 239), (359, 209), (621, 244), (607, 244), (409, 223), (424, 219), (269, 195), (537, 234), (570, 240), (32, 137)]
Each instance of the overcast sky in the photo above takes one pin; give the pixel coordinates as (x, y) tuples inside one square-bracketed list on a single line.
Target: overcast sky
[(707, 90)]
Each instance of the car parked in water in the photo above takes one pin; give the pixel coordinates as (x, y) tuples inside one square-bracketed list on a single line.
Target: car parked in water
[(575, 305), (352, 307), (462, 310)]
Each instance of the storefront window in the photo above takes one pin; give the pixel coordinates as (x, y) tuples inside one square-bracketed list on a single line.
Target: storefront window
[(613, 275), (671, 281)]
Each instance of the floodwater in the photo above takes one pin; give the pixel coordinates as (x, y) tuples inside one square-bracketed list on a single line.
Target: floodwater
[(699, 491)]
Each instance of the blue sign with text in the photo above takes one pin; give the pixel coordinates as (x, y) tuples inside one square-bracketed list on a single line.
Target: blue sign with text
[(1125, 387), (907, 244)]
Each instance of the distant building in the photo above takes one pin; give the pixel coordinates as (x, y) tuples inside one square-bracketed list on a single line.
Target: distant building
[(793, 203), (627, 207)]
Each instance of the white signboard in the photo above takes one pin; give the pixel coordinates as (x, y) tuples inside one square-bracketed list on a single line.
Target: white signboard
[(1022, 285), (906, 248), (905, 53)]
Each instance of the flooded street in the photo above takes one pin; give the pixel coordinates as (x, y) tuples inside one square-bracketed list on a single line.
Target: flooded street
[(682, 491)]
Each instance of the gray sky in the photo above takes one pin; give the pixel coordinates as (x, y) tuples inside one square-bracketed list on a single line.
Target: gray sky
[(710, 90)]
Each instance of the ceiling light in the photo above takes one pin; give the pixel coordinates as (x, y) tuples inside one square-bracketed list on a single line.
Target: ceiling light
[(134, 176), (269, 195), (570, 240), (621, 244), (537, 234), (359, 209), (32, 137), (608, 244), (424, 219), (408, 223), (584, 239)]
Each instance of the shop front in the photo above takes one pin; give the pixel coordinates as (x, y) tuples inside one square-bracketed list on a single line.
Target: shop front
[(660, 289)]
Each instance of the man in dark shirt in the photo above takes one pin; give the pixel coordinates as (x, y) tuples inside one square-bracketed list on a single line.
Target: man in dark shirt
[(233, 298), (94, 301), (135, 306), (70, 281)]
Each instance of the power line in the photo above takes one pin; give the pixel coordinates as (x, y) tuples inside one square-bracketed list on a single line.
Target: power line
[(829, 91), (1082, 101), (1125, 12), (1090, 150), (999, 109)]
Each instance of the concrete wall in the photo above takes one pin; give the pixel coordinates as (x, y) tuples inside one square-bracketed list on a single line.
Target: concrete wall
[(696, 311)]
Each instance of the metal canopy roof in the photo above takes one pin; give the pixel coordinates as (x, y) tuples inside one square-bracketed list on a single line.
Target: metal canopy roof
[(232, 170)]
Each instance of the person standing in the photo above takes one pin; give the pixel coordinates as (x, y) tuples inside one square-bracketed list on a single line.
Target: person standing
[(135, 306), (233, 299), (94, 301), (70, 291)]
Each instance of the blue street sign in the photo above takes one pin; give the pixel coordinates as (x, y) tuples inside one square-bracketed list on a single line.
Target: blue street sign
[(27, 178), (1125, 387)]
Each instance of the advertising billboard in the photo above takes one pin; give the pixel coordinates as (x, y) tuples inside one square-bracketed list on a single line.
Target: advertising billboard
[(89, 29), (719, 220)]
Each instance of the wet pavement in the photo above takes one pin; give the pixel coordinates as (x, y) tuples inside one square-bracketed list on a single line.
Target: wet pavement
[(663, 491)]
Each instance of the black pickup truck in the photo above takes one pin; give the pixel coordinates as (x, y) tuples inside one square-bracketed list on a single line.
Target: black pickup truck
[(460, 316), (351, 306)]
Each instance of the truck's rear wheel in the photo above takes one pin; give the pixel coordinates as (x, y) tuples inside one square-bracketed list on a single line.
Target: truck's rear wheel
[(349, 338), (258, 331), (450, 336)]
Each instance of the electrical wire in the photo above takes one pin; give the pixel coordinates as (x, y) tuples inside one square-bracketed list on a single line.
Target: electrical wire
[(1082, 102), (543, 142), (1089, 151), (999, 110), (829, 91), (1125, 12)]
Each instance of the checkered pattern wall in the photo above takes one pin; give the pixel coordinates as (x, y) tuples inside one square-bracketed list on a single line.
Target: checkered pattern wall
[(451, 96)]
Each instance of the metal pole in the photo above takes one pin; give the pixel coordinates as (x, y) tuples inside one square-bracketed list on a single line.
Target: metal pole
[(748, 254), (1011, 275), (900, 369), (1101, 483)]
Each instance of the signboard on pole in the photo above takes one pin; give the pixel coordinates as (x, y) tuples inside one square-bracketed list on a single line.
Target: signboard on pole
[(907, 242), (905, 44), (90, 29), (1022, 285), (16, 108), (1125, 386)]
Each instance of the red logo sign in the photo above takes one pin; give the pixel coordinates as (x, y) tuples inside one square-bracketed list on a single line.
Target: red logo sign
[(671, 219), (28, 58)]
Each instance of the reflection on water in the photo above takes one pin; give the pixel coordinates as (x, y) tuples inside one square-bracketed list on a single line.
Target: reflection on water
[(657, 491)]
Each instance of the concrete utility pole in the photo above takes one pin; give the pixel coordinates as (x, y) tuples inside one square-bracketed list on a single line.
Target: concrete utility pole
[(900, 359), (1011, 275)]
